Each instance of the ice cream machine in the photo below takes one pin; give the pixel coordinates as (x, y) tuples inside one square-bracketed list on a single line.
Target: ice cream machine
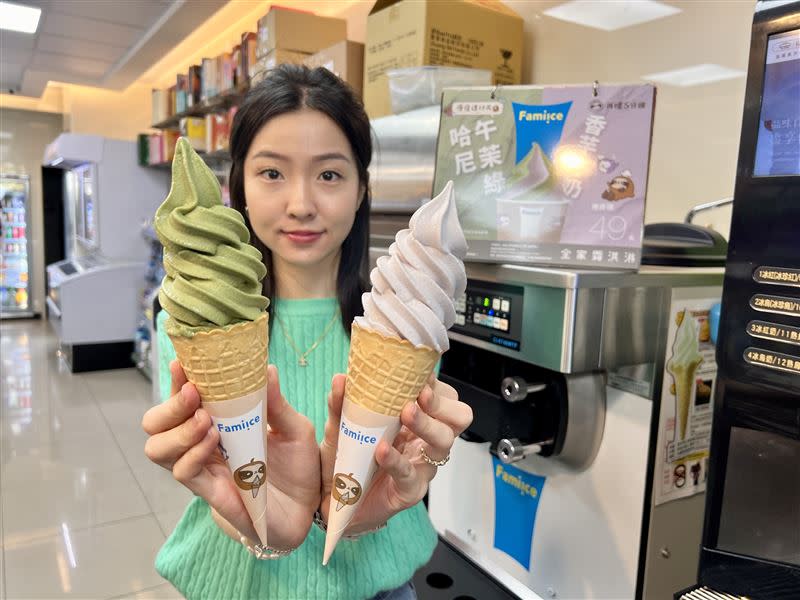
[(583, 472), (557, 489)]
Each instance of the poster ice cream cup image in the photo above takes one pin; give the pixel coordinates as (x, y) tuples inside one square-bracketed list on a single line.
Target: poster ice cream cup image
[(532, 209), (394, 347), (217, 320), (686, 358)]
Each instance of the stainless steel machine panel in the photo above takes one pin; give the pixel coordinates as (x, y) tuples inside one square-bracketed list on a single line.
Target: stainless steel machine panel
[(590, 319), (404, 157)]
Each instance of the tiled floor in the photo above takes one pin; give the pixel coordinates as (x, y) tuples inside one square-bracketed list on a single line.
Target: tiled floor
[(83, 512)]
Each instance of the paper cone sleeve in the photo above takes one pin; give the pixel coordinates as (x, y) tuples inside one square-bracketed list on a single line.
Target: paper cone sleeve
[(386, 373), (224, 364)]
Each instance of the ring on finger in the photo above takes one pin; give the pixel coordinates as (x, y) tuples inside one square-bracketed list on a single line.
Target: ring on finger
[(430, 461)]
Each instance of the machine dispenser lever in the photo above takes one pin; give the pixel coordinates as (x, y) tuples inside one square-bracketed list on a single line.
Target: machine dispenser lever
[(516, 389), (512, 450)]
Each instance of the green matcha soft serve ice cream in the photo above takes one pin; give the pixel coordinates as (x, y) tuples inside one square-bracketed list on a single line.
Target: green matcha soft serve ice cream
[(217, 319)]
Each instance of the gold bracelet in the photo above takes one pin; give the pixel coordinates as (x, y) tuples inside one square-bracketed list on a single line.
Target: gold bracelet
[(320, 522), (262, 552)]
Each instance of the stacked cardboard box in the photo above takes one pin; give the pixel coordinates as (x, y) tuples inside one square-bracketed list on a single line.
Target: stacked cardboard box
[(345, 59), (289, 36), (480, 34)]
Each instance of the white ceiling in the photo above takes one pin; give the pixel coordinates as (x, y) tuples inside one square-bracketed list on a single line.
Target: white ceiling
[(103, 43)]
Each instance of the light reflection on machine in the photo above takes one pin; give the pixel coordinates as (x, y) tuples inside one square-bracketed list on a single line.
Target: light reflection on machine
[(16, 356)]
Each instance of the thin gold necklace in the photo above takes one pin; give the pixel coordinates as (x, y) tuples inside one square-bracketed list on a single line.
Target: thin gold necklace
[(303, 356)]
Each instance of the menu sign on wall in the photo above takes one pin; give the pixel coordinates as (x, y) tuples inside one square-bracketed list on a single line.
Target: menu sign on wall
[(549, 174)]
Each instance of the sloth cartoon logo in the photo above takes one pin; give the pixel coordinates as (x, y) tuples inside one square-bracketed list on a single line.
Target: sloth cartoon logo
[(251, 476), (619, 188), (346, 490)]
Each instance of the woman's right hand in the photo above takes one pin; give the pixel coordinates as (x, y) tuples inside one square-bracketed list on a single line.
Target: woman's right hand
[(183, 441)]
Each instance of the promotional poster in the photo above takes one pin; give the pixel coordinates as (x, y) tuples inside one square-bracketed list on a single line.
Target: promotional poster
[(690, 374), (549, 174)]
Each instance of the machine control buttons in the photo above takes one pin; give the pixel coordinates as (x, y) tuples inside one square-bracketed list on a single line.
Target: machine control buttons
[(505, 306), (781, 305), (490, 321), (772, 360), (460, 319), (777, 276), (461, 304), (496, 303), (514, 389), (774, 331)]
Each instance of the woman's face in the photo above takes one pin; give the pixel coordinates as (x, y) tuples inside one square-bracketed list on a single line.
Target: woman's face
[(301, 187)]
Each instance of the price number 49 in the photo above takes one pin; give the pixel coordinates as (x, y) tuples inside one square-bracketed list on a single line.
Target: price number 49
[(611, 228)]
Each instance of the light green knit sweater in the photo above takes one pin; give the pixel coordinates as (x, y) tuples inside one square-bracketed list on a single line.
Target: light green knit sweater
[(202, 562)]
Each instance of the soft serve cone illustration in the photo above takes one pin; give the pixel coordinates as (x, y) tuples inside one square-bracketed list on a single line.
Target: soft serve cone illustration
[(682, 366), (532, 177), (532, 209), (395, 346), (217, 320)]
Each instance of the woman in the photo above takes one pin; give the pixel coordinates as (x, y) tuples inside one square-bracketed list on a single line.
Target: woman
[(300, 147)]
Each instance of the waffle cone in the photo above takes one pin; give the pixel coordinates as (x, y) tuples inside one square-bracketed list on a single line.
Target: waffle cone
[(386, 373), (224, 364)]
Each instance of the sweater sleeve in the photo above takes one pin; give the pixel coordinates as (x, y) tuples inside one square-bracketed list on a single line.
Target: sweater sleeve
[(166, 354)]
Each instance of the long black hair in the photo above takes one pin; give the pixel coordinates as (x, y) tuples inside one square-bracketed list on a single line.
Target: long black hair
[(286, 89)]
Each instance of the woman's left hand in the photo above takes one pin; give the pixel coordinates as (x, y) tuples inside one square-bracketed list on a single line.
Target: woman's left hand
[(431, 423)]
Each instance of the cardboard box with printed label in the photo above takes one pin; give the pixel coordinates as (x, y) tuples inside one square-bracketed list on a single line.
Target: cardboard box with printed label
[(346, 59), (482, 34), (300, 31)]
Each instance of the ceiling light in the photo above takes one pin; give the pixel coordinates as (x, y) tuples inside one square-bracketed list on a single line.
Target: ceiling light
[(695, 75), (17, 17), (611, 14)]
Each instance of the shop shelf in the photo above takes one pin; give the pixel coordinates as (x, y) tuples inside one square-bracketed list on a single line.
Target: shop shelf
[(221, 101)]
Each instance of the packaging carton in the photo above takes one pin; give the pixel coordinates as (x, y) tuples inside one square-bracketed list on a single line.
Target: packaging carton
[(482, 34), (346, 59), (289, 29)]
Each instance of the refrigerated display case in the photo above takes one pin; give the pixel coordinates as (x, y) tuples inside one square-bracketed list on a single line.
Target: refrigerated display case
[(15, 293)]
